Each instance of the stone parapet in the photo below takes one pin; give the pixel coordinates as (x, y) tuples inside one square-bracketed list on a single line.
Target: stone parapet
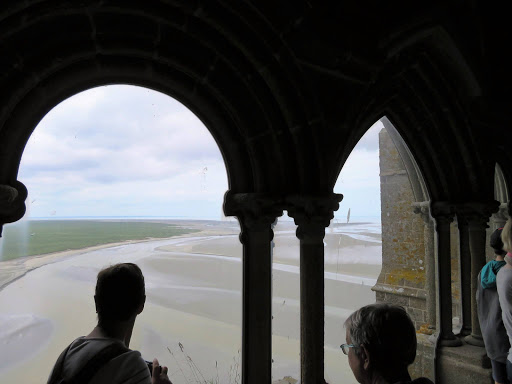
[(414, 300), (466, 364)]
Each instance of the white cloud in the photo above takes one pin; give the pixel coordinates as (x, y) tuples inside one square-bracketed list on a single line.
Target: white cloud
[(121, 150), (359, 180), (130, 151)]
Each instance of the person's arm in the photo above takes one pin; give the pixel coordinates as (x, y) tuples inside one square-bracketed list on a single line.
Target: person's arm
[(159, 374)]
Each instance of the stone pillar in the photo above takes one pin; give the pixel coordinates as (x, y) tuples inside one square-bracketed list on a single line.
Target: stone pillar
[(477, 216), (256, 214), (312, 215), (443, 214), (423, 209), (465, 275)]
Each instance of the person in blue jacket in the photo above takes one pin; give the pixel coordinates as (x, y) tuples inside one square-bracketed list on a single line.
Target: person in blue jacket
[(489, 311)]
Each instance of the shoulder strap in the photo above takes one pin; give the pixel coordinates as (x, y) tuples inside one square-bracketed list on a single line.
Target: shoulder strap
[(56, 375), (90, 368), (97, 362)]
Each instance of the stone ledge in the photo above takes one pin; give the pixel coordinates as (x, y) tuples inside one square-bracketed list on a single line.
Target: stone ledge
[(392, 173), (465, 364), (401, 291)]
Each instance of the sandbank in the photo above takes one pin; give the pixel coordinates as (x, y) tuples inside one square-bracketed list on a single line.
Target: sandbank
[(194, 303)]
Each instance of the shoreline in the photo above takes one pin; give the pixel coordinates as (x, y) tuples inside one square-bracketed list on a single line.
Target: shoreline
[(14, 269)]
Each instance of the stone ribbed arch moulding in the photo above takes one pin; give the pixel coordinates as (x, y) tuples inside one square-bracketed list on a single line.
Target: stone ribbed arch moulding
[(411, 91), (241, 81)]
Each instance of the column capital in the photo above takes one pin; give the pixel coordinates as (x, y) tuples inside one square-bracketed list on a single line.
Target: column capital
[(442, 211), (254, 210), (423, 209), (312, 214), (476, 214), (12, 202)]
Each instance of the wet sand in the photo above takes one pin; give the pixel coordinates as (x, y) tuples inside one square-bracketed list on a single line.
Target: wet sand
[(193, 285)]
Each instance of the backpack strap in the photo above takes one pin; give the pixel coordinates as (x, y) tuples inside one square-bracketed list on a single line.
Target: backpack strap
[(56, 375), (97, 362), (91, 367)]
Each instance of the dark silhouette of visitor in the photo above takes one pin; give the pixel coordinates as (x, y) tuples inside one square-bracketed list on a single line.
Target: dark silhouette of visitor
[(489, 311), (103, 356), (381, 344)]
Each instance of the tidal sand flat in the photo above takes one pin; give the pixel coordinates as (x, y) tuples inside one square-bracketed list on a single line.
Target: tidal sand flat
[(193, 313)]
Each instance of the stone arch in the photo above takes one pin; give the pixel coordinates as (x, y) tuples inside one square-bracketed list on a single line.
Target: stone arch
[(245, 88), (431, 118), (418, 185), (501, 193)]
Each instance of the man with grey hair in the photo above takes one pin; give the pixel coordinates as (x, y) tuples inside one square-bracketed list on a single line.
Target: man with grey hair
[(381, 344)]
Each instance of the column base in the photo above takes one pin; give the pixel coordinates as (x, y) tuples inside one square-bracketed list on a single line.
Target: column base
[(465, 332), (477, 341), (451, 342)]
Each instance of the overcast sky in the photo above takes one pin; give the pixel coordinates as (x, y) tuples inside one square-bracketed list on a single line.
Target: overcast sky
[(129, 151)]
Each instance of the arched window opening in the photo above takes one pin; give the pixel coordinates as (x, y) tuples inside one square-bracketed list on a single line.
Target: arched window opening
[(397, 258), (353, 248), (123, 174)]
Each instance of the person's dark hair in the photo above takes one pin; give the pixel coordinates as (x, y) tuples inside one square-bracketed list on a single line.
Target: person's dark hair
[(496, 242), (119, 292), (388, 335)]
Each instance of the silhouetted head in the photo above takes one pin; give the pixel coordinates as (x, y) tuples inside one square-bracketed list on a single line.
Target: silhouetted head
[(383, 342), (496, 243), (120, 293)]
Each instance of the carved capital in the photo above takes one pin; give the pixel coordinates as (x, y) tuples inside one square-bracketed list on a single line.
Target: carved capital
[(422, 209), (12, 202), (476, 214), (443, 212), (312, 214), (255, 211)]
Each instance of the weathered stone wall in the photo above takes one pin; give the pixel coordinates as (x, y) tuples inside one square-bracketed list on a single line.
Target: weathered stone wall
[(404, 240), (402, 280)]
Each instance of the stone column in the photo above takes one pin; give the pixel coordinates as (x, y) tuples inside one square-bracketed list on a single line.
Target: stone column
[(465, 275), (443, 214), (312, 215), (477, 216), (423, 209), (256, 214)]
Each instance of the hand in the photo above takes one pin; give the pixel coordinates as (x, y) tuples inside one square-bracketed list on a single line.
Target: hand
[(159, 374)]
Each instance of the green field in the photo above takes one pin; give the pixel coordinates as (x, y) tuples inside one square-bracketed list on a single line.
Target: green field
[(37, 237)]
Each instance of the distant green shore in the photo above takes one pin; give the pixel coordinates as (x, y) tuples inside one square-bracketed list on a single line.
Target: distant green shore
[(37, 237)]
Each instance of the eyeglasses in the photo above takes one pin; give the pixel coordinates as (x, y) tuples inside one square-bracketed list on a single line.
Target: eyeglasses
[(345, 347)]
